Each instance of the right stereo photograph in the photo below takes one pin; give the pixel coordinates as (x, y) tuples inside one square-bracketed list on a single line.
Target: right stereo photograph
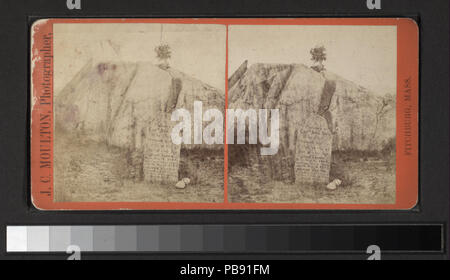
[(329, 103)]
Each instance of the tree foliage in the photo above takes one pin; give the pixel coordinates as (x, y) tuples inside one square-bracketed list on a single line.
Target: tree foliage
[(163, 52), (318, 55)]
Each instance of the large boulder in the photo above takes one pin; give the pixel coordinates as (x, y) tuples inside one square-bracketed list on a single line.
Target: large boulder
[(116, 102), (129, 105), (357, 118)]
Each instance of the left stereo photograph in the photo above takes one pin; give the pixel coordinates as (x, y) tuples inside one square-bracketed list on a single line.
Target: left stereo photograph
[(104, 95)]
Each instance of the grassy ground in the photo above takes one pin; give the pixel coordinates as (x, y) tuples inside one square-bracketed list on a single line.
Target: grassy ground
[(365, 181), (93, 172)]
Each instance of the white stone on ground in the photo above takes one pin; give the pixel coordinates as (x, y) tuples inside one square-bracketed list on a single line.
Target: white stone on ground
[(180, 185), (333, 185)]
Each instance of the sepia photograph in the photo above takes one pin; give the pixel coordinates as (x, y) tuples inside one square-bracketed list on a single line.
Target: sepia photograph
[(204, 114), (333, 89), (116, 86)]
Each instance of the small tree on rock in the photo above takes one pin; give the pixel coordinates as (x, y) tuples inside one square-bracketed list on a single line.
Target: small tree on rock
[(318, 56), (163, 53)]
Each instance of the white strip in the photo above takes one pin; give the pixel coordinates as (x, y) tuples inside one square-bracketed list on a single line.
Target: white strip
[(16, 239)]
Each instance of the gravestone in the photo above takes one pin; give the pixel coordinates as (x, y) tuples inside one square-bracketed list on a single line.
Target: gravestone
[(313, 152), (161, 156)]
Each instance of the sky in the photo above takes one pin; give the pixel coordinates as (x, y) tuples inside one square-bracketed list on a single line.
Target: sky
[(366, 55), (198, 50)]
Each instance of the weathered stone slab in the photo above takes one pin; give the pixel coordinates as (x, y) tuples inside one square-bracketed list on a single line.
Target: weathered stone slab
[(161, 156), (313, 151)]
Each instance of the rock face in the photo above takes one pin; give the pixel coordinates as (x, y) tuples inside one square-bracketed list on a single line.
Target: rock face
[(361, 120), (117, 103), (357, 118)]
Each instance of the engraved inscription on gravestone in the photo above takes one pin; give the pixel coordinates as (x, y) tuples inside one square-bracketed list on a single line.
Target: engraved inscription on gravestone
[(161, 156), (313, 151)]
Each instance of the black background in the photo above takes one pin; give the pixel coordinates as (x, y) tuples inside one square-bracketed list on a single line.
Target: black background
[(16, 16)]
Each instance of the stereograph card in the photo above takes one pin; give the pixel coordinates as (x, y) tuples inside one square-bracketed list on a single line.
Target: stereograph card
[(178, 114)]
